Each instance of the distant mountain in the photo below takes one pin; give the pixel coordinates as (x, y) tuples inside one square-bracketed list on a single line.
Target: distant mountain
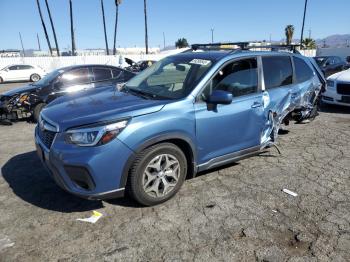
[(334, 41)]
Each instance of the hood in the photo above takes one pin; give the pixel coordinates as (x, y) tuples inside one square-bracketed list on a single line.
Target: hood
[(93, 107), (343, 76), (20, 90)]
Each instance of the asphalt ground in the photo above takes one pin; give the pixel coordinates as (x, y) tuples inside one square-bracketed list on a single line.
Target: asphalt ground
[(236, 213)]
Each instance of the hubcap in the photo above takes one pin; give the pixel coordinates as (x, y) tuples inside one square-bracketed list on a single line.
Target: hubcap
[(35, 78), (161, 175)]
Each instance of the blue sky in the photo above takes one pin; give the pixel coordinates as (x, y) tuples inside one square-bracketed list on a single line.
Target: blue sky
[(232, 20)]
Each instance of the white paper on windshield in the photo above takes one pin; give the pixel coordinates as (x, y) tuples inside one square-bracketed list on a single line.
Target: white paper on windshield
[(200, 62)]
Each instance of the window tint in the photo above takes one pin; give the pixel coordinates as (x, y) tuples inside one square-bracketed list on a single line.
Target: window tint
[(76, 77), (117, 73), (239, 78), (13, 68), (302, 71), (277, 71), (128, 75), (337, 59), (24, 67), (102, 73)]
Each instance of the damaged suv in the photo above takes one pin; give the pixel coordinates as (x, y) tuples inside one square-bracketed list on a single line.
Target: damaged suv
[(186, 113)]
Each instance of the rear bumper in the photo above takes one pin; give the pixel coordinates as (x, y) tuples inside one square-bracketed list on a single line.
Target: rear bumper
[(90, 173)]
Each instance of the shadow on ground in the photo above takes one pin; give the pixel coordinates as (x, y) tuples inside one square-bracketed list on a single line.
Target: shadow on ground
[(31, 182)]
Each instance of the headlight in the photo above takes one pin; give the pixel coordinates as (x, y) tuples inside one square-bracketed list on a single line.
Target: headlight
[(95, 136), (330, 83)]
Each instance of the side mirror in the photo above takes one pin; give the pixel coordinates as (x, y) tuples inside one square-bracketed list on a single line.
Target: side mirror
[(220, 97)]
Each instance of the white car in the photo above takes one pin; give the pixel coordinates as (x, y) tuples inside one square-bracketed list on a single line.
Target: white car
[(21, 73), (338, 89)]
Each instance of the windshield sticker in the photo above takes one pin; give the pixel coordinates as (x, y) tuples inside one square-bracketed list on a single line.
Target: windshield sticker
[(200, 62)]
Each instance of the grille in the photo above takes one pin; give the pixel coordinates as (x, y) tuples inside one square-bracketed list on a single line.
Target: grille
[(46, 137), (343, 89)]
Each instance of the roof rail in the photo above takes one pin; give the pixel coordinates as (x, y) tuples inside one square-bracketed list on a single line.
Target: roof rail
[(244, 46)]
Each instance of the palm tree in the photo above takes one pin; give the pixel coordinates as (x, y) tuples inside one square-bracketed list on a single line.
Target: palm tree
[(72, 27), (289, 31), (44, 27), (117, 3), (181, 43), (104, 26), (309, 43), (53, 28), (146, 29)]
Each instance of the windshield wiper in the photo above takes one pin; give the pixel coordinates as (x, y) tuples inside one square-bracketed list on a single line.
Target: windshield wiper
[(138, 92)]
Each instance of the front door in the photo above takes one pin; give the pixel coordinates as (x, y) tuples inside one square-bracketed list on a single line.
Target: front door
[(225, 129)]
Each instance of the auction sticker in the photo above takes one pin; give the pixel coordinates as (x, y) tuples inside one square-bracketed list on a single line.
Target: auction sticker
[(200, 62)]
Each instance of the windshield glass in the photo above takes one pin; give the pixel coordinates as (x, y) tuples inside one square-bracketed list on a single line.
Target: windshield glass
[(49, 77), (319, 60), (171, 78)]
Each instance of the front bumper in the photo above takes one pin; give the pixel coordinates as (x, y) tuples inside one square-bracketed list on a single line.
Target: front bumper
[(332, 97), (92, 173)]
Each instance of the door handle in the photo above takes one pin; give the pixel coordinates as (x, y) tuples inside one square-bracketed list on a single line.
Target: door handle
[(256, 105)]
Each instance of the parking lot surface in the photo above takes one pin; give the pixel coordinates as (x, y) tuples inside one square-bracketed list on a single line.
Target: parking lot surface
[(234, 213)]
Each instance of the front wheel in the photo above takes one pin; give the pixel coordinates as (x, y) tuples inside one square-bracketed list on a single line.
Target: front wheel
[(157, 174), (35, 78), (37, 110)]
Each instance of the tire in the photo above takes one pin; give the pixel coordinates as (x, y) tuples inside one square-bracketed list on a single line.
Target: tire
[(37, 110), (35, 77), (159, 184)]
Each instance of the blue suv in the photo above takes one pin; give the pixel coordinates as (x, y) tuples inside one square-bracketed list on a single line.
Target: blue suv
[(187, 113)]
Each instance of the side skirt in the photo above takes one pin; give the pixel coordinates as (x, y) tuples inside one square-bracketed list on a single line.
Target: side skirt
[(229, 158)]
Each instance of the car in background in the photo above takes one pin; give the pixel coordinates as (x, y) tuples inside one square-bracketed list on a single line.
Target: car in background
[(138, 66), (330, 64), (29, 100), (338, 89), (13, 73), (187, 113)]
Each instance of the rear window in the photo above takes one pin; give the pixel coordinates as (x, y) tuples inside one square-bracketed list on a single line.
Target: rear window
[(102, 74), (277, 71), (302, 71)]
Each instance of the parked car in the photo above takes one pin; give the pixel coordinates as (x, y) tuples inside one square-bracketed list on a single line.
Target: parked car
[(338, 89), (13, 73), (187, 113), (330, 64), (138, 66), (29, 100)]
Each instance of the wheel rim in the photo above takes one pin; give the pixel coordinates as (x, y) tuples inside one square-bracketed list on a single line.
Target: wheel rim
[(161, 175), (35, 78)]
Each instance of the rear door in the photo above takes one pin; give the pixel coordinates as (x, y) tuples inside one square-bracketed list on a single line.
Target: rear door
[(12, 73), (25, 71)]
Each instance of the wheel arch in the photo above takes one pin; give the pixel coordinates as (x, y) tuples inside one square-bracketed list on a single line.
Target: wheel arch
[(183, 142)]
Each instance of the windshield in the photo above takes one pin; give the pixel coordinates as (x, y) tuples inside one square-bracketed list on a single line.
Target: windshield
[(171, 78), (319, 60), (49, 77)]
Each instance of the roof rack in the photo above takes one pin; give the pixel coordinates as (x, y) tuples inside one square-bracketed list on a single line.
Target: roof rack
[(234, 46)]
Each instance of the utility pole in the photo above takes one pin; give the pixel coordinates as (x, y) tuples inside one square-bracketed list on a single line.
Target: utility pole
[(52, 27), (71, 27), (164, 40), (44, 27), (104, 27), (39, 46), (212, 35), (302, 28), (20, 37), (146, 26)]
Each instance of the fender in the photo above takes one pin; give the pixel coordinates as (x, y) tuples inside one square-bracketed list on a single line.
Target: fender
[(156, 140)]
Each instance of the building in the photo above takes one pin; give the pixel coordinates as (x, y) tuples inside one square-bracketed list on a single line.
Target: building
[(10, 53)]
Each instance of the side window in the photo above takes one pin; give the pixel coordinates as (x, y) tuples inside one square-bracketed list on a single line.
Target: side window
[(24, 67), (128, 75), (102, 74), (277, 71), (302, 71), (13, 68), (117, 73), (239, 78), (337, 60), (75, 77)]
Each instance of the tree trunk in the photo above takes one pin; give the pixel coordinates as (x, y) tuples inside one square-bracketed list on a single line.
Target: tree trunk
[(53, 28), (104, 27), (146, 29), (115, 28), (44, 27), (71, 27)]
